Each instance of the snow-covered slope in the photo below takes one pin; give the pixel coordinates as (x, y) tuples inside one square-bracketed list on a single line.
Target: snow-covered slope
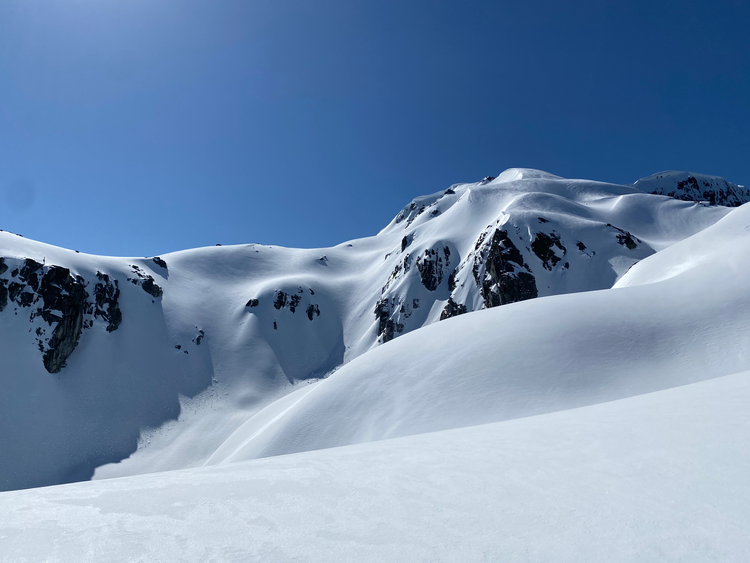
[(178, 356), (538, 356), (658, 477)]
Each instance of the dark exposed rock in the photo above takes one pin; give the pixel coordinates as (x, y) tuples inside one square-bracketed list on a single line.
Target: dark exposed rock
[(283, 299), (542, 247), (280, 300), (431, 267), (715, 191), (449, 192), (61, 300), (3, 295), (509, 288), (543, 220), (452, 281), (26, 299), (253, 303), (29, 273), (406, 241), (501, 283), (149, 286), (146, 282), (382, 313), (487, 180), (387, 327), (3, 266), (452, 309), (106, 300), (66, 294), (581, 246), (198, 339), (625, 238), (313, 310), (275, 327), (14, 290), (178, 347), (159, 262)]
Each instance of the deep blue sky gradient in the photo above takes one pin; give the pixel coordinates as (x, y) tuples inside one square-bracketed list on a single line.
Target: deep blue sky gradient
[(140, 127)]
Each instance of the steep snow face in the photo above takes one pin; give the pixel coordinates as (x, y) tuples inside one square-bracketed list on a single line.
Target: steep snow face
[(171, 355), (689, 186), (538, 356)]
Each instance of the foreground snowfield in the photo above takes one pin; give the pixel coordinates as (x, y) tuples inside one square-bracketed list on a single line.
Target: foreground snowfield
[(657, 477)]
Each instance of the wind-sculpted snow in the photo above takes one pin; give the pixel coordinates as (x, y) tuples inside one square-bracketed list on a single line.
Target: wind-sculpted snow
[(537, 356), (658, 477), (164, 359)]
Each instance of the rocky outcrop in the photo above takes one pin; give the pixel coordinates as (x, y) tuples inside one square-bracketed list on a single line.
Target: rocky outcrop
[(501, 272), (313, 311), (387, 327), (283, 299), (67, 295), (687, 186), (543, 246), (291, 301), (146, 282), (432, 265), (452, 309), (62, 303), (106, 300), (198, 339), (406, 241), (624, 238), (159, 262)]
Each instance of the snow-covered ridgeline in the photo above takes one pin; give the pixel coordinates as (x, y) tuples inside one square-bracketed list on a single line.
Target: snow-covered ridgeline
[(232, 327)]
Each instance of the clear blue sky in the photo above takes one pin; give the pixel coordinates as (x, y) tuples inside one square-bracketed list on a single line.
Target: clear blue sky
[(138, 127)]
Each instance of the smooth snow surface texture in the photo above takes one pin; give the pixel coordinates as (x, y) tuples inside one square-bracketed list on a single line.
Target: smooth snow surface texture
[(658, 477), (538, 356), (178, 361)]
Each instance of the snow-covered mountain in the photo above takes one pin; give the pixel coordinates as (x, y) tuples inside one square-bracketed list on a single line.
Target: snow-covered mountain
[(689, 186), (604, 420), (213, 354)]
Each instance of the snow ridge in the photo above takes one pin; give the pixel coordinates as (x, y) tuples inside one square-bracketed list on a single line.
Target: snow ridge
[(120, 366)]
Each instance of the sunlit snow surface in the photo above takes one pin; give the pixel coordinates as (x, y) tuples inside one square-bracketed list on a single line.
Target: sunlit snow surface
[(594, 423), (658, 477)]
